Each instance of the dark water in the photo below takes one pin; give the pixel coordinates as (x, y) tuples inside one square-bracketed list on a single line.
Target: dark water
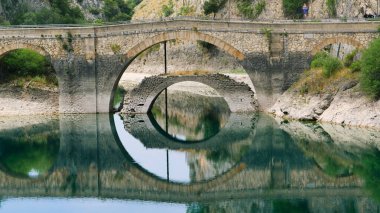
[(239, 163)]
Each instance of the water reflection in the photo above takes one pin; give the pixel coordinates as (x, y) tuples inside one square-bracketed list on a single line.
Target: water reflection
[(187, 116), (30, 151), (266, 165)]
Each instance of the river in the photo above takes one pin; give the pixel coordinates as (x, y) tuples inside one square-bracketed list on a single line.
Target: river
[(189, 154)]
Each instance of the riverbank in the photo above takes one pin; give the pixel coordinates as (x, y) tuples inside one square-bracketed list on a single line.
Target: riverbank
[(340, 101), (28, 100)]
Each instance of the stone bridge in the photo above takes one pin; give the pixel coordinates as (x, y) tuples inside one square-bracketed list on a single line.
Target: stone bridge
[(239, 97), (90, 60)]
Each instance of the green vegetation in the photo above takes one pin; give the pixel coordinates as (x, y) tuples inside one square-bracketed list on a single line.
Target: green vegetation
[(115, 48), (328, 63), (331, 8), (268, 36), (293, 8), (370, 66), (60, 12), (349, 58), (28, 65), (186, 10), (118, 97), (119, 10), (213, 6), (167, 10), (356, 66), (248, 10)]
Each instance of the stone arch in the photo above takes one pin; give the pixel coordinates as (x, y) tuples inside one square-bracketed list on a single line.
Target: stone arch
[(239, 97), (184, 35), (16, 46), (341, 39)]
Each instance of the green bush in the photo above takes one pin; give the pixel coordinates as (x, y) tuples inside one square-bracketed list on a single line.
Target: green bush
[(213, 6), (167, 10), (25, 63), (319, 59), (349, 58), (370, 78), (356, 66), (328, 63), (331, 65), (331, 8), (293, 8), (248, 10)]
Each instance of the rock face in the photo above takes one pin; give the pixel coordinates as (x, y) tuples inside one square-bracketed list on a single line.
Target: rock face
[(347, 107)]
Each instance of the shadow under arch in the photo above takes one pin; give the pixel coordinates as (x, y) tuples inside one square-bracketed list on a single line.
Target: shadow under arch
[(158, 182), (181, 35), (340, 39)]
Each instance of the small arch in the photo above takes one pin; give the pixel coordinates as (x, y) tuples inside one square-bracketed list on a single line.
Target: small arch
[(184, 35), (328, 41), (16, 46)]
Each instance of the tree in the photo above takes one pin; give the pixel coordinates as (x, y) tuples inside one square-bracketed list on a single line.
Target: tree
[(370, 78), (213, 6)]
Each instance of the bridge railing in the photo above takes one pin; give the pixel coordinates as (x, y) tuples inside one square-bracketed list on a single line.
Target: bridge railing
[(194, 18)]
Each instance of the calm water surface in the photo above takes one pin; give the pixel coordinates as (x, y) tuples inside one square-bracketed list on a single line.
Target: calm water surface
[(186, 156)]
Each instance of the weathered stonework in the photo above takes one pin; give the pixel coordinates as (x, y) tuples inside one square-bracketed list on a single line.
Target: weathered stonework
[(88, 72)]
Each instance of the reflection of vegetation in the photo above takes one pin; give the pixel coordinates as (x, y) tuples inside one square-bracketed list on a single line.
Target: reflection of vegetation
[(290, 206), (29, 151), (369, 169)]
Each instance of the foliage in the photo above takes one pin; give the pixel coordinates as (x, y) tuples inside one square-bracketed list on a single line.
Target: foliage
[(119, 94), (293, 8), (370, 78), (268, 36), (331, 8), (167, 10), (213, 6), (356, 66), (115, 48), (328, 63), (186, 10), (247, 9), (25, 63), (349, 58), (61, 12), (119, 10)]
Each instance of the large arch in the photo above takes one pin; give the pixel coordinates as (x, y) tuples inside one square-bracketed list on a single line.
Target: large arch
[(193, 35), (239, 97), (341, 39), (184, 35)]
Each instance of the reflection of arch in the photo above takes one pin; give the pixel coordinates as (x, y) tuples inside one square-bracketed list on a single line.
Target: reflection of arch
[(184, 35), (239, 97), (11, 47), (237, 128), (328, 41), (157, 182)]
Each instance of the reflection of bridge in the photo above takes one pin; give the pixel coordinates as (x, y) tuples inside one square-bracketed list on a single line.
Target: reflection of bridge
[(239, 97), (236, 129), (89, 61), (91, 162)]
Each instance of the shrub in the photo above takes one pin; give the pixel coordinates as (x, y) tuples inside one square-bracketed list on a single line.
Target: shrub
[(186, 10), (25, 63), (213, 6), (331, 8), (328, 63), (167, 10), (370, 78), (318, 59), (349, 58), (331, 65), (247, 9), (356, 66), (293, 8)]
